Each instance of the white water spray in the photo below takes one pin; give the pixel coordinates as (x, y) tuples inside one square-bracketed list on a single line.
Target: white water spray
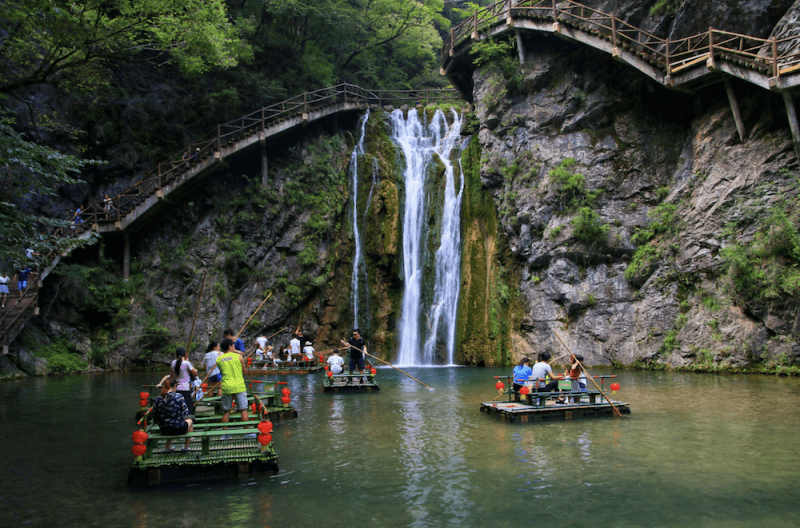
[(419, 145), (358, 259)]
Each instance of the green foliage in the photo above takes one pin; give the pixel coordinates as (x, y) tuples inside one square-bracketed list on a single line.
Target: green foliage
[(62, 357), (108, 297), (589, 228), (668, 7), (31, 171), (768, 267), (69, 43), (555, 232), (572, 191), (154, 336), (670, 343), (665, 224), (499, 53)]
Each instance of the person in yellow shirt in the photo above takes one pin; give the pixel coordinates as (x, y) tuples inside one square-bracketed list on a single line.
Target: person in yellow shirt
[(232, 366)]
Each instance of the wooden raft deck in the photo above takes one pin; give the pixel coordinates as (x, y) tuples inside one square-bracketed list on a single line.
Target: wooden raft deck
[(213, 454), (542, 406), (216, 450), (524, 412), (346, 383)]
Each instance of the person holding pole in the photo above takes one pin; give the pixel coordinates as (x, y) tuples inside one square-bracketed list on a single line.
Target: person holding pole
[(357, 350), (232, 366)]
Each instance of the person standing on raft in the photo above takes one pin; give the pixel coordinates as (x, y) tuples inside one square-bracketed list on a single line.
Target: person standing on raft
[(357, 349), (232, 366)]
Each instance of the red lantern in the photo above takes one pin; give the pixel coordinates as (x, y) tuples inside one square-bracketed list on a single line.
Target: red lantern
[(143, 403), (499, 385), (144, 395), (524, 391), (326, 367), (615, 387), (264, 439), (286, 392), (286, 399), (249, 361), (139, 437), (373, 371), (321, 359), (138, 449), (253, 407), (204, 386), (330, 373), (265, 427)]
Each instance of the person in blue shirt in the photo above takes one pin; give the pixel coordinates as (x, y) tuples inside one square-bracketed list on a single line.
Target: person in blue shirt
[(238, 344), (522, 373)]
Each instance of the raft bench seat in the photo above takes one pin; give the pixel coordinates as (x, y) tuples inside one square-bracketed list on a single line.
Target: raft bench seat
[(539, 399), (238, 432)]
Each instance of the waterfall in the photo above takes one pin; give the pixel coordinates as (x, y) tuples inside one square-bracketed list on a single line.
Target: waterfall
[(420, 145), (358, 259), (448, 257)]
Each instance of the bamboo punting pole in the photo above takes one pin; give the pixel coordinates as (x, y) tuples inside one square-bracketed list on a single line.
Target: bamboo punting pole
[(616, 411), (197, 309), (386, 362), (254, 314)]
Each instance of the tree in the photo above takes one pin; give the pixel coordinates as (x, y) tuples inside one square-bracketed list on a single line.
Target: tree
[(69, 42), (31, 170), (376, 43)]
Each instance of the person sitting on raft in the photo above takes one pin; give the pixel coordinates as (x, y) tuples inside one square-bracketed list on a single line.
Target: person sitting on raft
[(172, 414), (542, 372), (522, 373), (336, 362)]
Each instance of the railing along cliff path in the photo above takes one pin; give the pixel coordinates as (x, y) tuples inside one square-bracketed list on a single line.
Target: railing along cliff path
[(773, 63)]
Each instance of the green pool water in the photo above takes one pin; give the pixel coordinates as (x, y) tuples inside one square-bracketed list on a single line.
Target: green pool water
[(697, 450)]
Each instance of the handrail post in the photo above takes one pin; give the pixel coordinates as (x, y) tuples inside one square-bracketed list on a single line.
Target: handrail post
[(775, 71), (219, 137), (666, 57), (613, 30), (159, 175), (711, 43), (555, 11)]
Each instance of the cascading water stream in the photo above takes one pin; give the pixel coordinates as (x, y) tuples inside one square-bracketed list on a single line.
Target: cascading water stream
[(448, 257), (419, 145), (358, 259)]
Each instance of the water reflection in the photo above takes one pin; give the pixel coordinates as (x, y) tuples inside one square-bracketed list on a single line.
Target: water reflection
[(698, 450)]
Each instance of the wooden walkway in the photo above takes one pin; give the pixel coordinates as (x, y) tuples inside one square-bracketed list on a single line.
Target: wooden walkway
[(684, 64)]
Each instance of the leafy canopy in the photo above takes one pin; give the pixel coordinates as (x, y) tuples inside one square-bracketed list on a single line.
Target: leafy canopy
[(30, 171), (68, 42)]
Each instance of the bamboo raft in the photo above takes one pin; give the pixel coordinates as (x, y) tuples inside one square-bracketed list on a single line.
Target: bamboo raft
[(302, 366), (347, 383), (240, 450), (542, 406)]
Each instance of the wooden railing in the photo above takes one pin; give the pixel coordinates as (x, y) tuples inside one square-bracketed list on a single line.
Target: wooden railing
[(18, 309), (772, 57)]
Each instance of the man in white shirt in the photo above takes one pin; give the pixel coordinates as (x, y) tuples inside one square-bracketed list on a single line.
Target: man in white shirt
[(294, 346), (336, 362)]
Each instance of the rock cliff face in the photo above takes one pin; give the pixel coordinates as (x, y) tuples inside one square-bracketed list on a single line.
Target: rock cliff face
[(596, 171)]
